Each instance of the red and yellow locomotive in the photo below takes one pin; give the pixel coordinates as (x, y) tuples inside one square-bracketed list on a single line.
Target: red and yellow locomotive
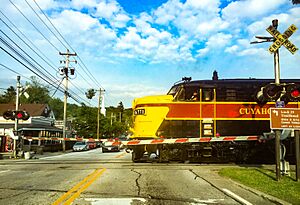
[(208, 120)]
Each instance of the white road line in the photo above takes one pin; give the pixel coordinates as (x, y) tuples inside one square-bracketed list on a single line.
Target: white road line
[(236, 197)]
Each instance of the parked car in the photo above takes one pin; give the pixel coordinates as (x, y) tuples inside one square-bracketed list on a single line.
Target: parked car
[(111, 146), (80, 146), (92, 145)]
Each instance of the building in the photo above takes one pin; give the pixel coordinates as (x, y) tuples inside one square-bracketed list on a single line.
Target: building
[(40, 124)]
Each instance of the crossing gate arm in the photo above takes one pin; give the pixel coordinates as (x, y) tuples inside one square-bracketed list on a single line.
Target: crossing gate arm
[(192, 140)]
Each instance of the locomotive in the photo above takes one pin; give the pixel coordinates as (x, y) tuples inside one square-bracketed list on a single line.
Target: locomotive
[(213, 120)]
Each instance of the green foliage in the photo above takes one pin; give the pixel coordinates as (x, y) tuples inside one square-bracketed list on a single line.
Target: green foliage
[(57, 107), (38, 93), (9, 95), (90, 93), (264, 180), (85, 121)]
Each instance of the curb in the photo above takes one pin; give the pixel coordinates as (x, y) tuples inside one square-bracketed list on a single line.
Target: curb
[(262, 194)]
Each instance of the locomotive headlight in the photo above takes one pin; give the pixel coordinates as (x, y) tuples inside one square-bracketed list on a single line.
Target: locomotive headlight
[(139, 112)]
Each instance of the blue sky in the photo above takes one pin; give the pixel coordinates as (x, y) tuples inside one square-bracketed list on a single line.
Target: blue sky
[(138, 48)]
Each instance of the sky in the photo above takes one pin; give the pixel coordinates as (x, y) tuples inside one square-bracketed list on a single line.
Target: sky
[(135, 48)]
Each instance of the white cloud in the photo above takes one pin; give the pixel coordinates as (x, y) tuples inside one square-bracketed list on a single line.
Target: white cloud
[(120, 20), (217, 41), (79, 4), (251, 8), (107, 10), (167, 12), (68, 21), (46, 4), (113, 13), (232, 49), (194, 18), (208, 5), (259, 52), (202, 52)]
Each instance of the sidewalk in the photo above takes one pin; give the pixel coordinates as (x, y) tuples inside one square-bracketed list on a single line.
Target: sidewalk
[(9, 155)]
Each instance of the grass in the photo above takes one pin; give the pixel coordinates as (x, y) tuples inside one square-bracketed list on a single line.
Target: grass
[(264, 180)]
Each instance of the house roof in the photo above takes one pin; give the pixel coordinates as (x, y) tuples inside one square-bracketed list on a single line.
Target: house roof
[(32, 109)]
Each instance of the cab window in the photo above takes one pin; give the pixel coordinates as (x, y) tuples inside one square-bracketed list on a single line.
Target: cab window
[(207, 95)]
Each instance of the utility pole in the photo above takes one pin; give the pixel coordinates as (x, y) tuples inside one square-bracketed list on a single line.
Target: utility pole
[(65, 72), (100, 109), (16, 119)]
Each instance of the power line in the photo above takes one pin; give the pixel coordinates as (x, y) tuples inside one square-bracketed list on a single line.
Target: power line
[(26, 39), (29, 56), (89, 73), (20, 55), (45, 24), (84, 69), (24, 59), (52, 31), (14, 71), (30, 46), (34, 26)]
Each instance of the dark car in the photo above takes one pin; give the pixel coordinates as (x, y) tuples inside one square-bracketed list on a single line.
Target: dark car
[(111, 146)]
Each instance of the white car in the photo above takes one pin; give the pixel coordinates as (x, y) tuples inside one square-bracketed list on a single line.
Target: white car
[(80, 146), (111, 146)]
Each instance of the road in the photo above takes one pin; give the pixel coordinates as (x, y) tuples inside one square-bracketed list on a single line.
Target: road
[(96, 178)]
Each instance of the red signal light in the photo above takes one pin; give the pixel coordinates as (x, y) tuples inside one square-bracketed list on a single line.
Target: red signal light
[(22, 115), (295, 93), (19, 115)]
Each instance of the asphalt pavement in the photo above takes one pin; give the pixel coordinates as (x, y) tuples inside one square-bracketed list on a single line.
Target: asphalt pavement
[(211, 176)]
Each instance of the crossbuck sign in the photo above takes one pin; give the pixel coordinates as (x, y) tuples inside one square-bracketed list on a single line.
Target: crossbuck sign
[(282, 39)]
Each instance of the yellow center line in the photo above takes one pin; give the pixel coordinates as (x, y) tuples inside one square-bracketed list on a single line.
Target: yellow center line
[(120, 155), (72, 198), (85, 183)]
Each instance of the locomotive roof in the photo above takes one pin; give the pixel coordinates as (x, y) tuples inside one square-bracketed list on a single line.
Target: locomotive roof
[(237, 81)]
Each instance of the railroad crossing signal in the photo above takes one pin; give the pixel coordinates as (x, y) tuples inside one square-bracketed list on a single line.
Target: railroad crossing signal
[(12, 115), (282, 39)]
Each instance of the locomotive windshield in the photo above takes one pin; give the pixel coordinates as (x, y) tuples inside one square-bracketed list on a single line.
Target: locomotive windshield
[(173, 90)]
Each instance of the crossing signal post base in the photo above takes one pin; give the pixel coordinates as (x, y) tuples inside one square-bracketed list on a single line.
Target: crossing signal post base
[(277, 154)]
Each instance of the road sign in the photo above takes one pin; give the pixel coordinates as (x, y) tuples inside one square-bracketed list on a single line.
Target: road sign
[(285, 118), (282, 39)]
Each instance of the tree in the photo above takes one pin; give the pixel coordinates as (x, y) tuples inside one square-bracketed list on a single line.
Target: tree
[(296, 1), (57, 107), (9, 95), (85, 121), (38, 93), (90, 93)]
